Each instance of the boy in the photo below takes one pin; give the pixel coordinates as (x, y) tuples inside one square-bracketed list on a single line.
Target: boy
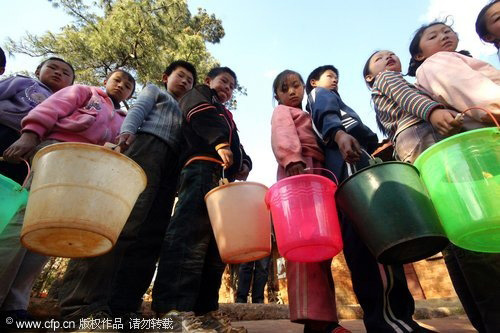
[(190, 268), (151, 136), (381, 289)]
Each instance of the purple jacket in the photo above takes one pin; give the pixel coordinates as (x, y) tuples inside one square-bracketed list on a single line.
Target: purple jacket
[(18, 95)]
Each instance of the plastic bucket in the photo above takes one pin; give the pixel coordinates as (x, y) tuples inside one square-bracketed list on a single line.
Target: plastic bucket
[(80, 199), (392, 212), (12, 198), (240, 221), (305, 218), (462, 174)]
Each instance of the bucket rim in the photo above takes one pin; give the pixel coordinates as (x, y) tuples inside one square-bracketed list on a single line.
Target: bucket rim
[(449, 141), (220, 187), (291, 178), (373, 166), (88, 146)]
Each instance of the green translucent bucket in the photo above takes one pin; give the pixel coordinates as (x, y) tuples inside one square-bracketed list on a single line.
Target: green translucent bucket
[(462, 175), (12, 197)]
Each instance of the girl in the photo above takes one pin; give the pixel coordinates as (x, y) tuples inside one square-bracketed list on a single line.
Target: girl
[(73, 114), (488, 24), (311, 291), (451, 78), (407, 115), (18, 95)]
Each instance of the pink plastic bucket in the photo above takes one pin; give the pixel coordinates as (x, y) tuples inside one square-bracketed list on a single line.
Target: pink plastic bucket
[(305, 218)]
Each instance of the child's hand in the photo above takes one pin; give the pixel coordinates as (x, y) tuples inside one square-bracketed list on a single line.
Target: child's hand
[(22, 148), (243, 173), (444, 122), (295, 168), (349, 146), (124, 140), (226, 155)]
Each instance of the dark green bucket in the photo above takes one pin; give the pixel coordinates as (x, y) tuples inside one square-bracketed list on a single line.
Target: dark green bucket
[(392, 212)]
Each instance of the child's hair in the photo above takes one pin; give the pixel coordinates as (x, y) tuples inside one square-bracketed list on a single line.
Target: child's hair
[(481, 27), (366, 69), (184, 64), (127, 74), (39, 67), (214, 72), (280, 79), (3, 59), (316, 74)]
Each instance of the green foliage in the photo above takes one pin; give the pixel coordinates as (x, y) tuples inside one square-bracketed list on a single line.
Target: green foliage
[(141, 36)]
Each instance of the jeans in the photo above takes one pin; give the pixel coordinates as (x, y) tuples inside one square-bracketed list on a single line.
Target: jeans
[(258, 270), (190, 268)]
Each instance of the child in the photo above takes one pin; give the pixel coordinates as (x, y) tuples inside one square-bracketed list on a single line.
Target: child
[(488, 25), (381, 289), (190, 268), (18, 95), (3, 61), (73, 114), (311, 291), (451, 78), (151, 136), (396, 98), (406, 114)]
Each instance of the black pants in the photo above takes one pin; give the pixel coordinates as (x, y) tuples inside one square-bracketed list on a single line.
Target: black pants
[(126, 271), (16, 172), (190, 268), (258, 271)]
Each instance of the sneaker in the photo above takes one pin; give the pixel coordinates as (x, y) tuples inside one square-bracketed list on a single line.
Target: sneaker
[(219, 321), (185, 322)]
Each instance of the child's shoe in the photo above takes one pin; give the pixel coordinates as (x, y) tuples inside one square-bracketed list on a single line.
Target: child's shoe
[(220, 322), (185, 322)]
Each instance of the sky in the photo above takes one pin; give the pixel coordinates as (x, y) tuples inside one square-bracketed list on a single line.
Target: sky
[(264, 37)]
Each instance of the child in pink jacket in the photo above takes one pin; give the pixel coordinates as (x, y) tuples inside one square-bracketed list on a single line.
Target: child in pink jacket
[(311, 292), (74, 114)]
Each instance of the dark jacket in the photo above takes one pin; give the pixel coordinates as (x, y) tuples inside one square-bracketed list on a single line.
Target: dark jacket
[(207, 123), (329, 115)]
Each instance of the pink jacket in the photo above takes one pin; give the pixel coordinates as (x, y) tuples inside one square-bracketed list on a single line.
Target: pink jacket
[(292, 136), (77, 113), (461, 82)]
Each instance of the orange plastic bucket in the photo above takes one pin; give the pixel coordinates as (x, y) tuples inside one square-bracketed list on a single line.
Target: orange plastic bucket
[(305, 218), (240, 220), (80, 199)]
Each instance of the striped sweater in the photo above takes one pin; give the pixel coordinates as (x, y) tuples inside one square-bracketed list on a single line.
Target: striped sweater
[(399, 104)]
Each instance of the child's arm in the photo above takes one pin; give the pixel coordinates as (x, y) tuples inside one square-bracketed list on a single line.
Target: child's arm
[(410, 100), (207, 122), (10, 86), (40, 121), (285, 141), (325, 112), (137, 114)]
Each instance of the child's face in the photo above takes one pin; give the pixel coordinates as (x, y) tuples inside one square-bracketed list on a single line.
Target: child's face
[(436, 38), (179, 81), (327, 80), (291, 92), (223, 84), (382, 61), (493, 22), (56, 75), (119, 86)]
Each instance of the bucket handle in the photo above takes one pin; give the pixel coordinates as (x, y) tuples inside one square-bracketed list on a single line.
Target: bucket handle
[(371, 160), (482, 109), (27, 166), (324, 169)]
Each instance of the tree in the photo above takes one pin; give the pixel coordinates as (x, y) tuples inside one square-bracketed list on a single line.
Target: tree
[(141, 36)]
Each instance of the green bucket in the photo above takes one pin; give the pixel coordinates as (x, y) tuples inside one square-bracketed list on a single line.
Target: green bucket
[(12, 197), (462, 175), (392, 212)]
